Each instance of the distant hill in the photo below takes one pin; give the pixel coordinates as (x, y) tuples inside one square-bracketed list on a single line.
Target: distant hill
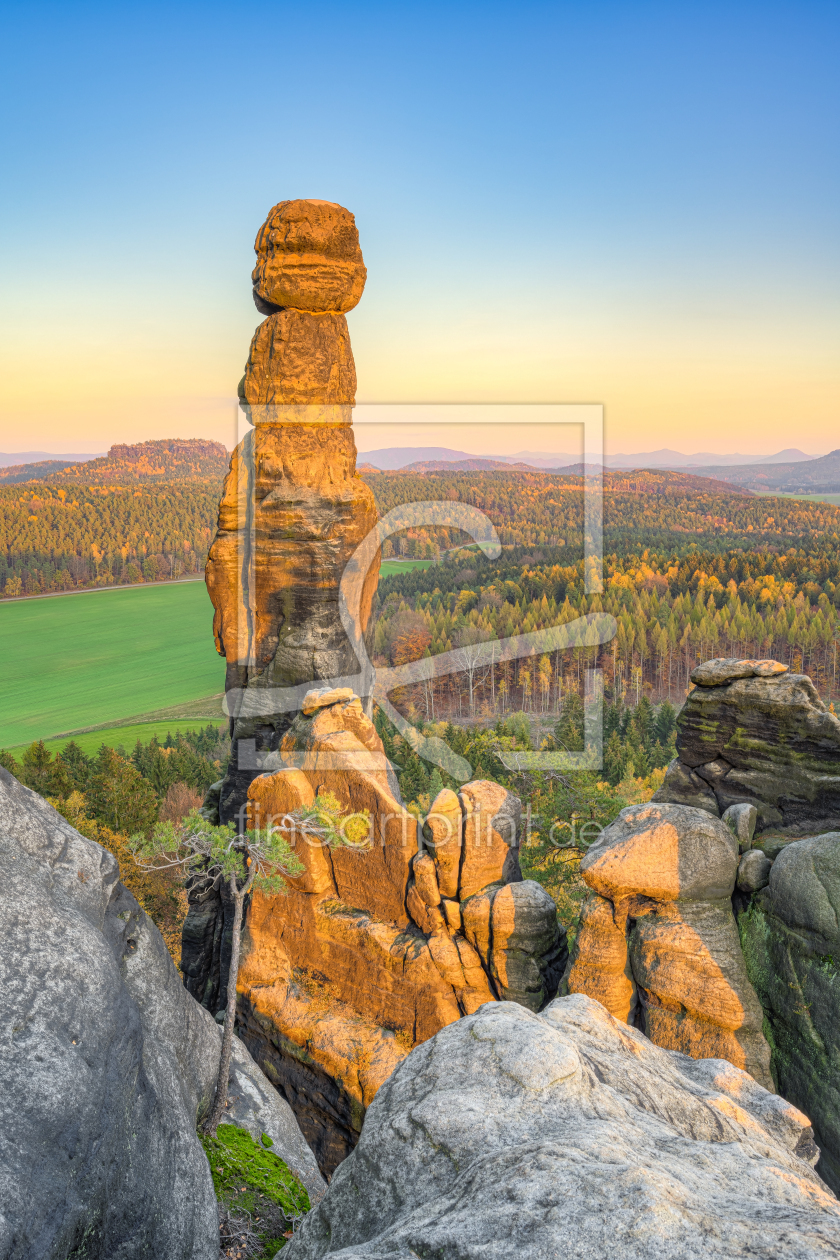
[(39, 457), (31, 472), (471, 464), (170, 459), (800, 477), (393, 457)]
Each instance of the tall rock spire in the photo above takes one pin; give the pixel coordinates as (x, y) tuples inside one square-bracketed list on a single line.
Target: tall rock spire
[(293, 509)]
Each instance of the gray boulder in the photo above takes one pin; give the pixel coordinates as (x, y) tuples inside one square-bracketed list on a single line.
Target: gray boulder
[(106, 1062), (790, 935), (748, 735), (567, 1133), (754, 871)]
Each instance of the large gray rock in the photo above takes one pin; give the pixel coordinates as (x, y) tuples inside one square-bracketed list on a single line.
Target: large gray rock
[(106, 1062), (747, 735), (567, 1133), (791, 938)]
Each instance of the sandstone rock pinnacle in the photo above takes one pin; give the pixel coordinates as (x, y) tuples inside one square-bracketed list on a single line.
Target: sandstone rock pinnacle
[(293, 509)]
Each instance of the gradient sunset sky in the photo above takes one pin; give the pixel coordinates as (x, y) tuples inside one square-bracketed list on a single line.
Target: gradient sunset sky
[(634, 204)]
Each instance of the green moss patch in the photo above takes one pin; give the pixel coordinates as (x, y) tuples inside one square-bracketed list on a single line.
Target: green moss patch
[(251, 1181)]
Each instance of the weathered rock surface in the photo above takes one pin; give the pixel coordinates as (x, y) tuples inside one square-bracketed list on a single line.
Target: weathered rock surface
[(107, 1062), (754, 871), (659, 947), (567, 1133), (300, 358), (308, 257), (364, 956), (752, 733), (791, 943), (276, 619), (727, 669), (293, 510)]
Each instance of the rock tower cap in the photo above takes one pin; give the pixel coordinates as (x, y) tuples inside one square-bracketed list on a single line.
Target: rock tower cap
[(308, 258)]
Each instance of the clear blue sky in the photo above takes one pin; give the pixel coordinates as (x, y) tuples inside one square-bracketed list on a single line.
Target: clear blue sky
[(633, 203)]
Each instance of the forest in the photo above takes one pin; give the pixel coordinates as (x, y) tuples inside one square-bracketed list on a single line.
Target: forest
[(692, 569), (120, 791), (142, 513)]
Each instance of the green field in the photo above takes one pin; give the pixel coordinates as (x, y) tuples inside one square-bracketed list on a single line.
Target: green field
[(119, 736), (810, 498), (83, 660), (390, 567)]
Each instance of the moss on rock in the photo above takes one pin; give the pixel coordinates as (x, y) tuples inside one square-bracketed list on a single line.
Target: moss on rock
[(250, 1180)]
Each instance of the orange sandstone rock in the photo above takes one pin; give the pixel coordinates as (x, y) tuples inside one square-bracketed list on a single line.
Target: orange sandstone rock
[(687, 961), (661, 930), (443, 828), (297, 358), (426, 880), (368, 926), (308, 257), (601, 961), (490, 836)]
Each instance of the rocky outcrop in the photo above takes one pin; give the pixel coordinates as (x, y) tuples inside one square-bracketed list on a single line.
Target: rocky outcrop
[(750, 732), (791, 943), (293, 510), (107, 1062), (658, 943), (567, 1133), (379, 944)]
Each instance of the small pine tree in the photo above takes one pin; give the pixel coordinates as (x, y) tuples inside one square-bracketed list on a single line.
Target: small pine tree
[(36, 769), (258, 859), (436, 784), (118, 795)]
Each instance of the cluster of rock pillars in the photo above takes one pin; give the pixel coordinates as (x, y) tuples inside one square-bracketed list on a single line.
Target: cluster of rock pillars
[(712, 922)]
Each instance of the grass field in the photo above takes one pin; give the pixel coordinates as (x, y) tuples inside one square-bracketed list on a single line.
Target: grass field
[(810, 498), (119, 736), (390, 567), (82, 660)]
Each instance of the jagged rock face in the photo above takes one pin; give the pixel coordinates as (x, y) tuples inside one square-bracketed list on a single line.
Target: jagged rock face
[(567, 1133), (750, 732), (658, 943), (293, 509), (791, 942), (106, 1062), (308, 257), (364, 955)]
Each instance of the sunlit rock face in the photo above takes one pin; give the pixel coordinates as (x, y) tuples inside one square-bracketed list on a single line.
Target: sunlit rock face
[(309, 258), (378, 945), (293, 510), (567, 1133), (659, 945)]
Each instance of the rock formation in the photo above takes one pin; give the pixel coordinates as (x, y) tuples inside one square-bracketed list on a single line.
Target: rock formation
[(750, 732), (106, 1062), (293, 510), (658, 943), (567, 1133), (375, 946), (791, 941)]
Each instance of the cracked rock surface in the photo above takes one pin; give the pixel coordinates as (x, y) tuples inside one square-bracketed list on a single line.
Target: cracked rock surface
[(567, 1133), (106, 1062)]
